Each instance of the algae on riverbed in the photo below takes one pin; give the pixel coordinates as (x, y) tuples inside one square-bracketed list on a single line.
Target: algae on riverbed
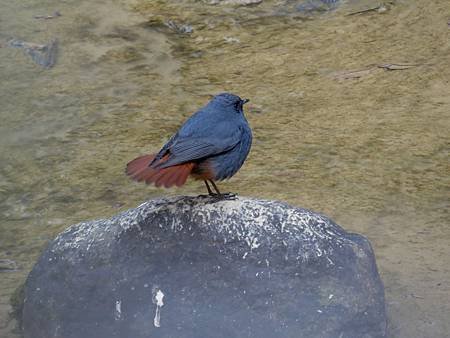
[(371, 152)]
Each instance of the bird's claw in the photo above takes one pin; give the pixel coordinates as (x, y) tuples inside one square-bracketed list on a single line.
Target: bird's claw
[(220, 197), (228, 196)]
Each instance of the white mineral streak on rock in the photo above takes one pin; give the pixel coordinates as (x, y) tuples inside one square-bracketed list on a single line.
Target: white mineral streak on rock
[(118, 312), (142, 204), (85, 233), (157, 299), (317, 250), (361, 253), (257, 223)]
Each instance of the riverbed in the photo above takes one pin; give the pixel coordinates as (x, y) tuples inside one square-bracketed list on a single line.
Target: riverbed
[(349, 106)]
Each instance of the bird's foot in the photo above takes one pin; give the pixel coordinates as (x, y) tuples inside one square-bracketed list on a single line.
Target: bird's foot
[(228, 196)]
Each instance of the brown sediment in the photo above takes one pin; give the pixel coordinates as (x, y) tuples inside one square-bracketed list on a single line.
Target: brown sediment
[(371, 152)]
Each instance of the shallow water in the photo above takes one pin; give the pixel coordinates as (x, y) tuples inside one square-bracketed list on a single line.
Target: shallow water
[(370, 150)]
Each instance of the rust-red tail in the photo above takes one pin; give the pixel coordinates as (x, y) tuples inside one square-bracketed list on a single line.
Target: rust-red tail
[(139, 170)]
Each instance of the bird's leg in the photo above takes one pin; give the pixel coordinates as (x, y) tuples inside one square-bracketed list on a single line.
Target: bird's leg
[(210, 193), (215, 187), (220, 195)]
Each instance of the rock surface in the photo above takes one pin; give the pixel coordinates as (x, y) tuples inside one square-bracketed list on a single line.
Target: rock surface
[(190, 267)]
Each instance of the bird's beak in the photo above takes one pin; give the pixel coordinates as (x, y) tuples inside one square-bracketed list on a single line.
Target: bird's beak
[(244, 101)]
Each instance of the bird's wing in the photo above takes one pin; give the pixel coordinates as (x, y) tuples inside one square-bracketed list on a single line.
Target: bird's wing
[(204, 134), (191, 149)]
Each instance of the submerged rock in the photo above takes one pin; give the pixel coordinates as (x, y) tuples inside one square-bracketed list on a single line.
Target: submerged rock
[(42, 54), (197, 267), (317, 5), (179, 28), (7, 265)]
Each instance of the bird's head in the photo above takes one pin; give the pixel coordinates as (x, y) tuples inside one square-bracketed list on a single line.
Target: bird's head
[(229, 101)]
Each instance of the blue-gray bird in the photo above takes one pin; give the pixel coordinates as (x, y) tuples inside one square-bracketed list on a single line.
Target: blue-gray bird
[(211, 146)]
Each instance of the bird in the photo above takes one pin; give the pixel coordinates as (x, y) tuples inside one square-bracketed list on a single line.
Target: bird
[(211, 145)]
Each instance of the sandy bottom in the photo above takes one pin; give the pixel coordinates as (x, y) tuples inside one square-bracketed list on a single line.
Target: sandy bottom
[(350, 115)]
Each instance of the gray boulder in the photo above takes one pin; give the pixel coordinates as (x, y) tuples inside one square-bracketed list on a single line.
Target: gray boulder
[(196, 267)]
